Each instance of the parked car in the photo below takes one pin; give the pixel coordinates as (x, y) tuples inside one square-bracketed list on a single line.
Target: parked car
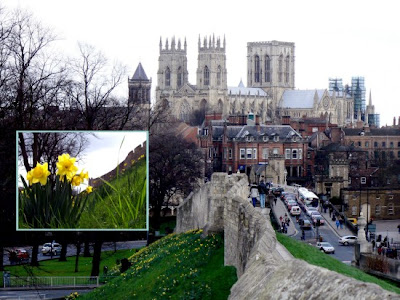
[(51, 247), (314, 213), (348, 240), (18, 255), (352, 220), (326, 247)]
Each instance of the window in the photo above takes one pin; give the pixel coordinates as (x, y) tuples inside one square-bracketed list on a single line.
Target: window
[(265, 138), (167, 77), (280, 63), (398, 144), (390, 197), (383, 155), (391, 154), (391, 145), (179, 77), (377, 210), (209, 152), (287, 69), (359, 144), (275, 151), (366, 144), (249, 138), (276, 138), (242, 153), (225, 153), (267, 69), (378, 197), (287, 153), (254, 153), (249, 153), (294, 153), (354, 210), (256, 68), (315, 129), (230, 153), (219, 75), (398, 154), (265, 153), (390, 209), (300, 153), (206, 76), (383, 144), (363, 180), (376, 144), (349, 180), (376, 154)]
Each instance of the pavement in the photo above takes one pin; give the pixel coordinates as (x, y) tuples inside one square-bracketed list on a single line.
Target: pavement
[(332, 224)]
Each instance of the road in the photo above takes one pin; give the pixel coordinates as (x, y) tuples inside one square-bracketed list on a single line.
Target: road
[(71, 250), (329, 234)]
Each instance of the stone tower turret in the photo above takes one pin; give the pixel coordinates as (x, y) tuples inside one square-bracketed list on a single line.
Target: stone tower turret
[(139, 87), (270, 66)]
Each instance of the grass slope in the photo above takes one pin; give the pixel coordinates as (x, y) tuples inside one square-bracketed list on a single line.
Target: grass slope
[(183, 266), (120, 203), (315, 257)]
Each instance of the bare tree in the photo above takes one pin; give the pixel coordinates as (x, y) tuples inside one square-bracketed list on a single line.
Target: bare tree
[(175, 167), (94, 85)]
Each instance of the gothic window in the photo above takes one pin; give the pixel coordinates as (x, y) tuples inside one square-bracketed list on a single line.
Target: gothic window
[(167, 77), (280, 66), (179, 77), (185, 111), (256, 68), (219, 75), (267, 69), (287, 69), (206, 76)]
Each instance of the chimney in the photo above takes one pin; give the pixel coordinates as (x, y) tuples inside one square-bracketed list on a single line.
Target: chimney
[(285, 120)]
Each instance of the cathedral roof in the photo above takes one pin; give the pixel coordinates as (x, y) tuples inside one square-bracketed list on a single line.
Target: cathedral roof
[(242, 90), (139, 73), (300, 98)]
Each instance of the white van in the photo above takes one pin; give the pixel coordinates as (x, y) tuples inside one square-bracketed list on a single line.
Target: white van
[(295, 211)]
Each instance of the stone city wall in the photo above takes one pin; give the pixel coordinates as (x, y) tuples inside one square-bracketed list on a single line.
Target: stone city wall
[(265, 269), (130, 159)]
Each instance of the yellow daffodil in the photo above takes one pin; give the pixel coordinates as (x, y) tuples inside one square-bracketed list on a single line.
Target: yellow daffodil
[(76, 180), (89, 189), (66, 166), (38, 174)]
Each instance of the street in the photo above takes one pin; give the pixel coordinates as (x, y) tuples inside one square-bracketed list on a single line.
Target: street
[(71, 250)]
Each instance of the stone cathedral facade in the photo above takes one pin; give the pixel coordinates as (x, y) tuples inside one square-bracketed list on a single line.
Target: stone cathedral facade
[(270, 91)]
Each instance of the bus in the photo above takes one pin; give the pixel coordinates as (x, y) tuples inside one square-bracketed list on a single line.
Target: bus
[(308, 198)]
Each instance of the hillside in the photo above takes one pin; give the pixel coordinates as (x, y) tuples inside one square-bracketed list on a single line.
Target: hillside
[(183, 266)]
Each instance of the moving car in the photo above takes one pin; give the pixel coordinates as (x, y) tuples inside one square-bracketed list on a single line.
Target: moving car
[(315, 219), (51, 247), (306, 225), (348, 240), (310, 209), (352, 220), (326, 247), (295, 210)]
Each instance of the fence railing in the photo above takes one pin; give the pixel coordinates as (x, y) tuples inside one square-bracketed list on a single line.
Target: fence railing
[(54, 281)]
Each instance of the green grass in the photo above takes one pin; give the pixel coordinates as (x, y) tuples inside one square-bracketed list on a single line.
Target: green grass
[(67, 268), (120, 203), (183, 266), (315, 257)]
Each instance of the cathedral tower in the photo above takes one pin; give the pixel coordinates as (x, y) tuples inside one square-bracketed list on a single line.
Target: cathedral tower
[(270, 66), (172, 66), (211, 73), (139, 87)]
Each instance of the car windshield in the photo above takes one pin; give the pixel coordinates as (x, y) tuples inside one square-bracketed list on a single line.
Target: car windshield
[(326, 244)]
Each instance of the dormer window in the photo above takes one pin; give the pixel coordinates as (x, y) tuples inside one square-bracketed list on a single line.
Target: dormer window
[(249, 138), (276, 138), (265, 138)]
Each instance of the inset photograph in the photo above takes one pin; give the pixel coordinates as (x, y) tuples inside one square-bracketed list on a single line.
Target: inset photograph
[(82, 180)]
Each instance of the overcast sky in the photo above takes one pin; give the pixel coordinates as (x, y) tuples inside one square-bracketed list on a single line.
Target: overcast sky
[(332, 38)]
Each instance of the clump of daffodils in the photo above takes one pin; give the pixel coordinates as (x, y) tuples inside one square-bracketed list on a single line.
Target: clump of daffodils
[(66, 169)]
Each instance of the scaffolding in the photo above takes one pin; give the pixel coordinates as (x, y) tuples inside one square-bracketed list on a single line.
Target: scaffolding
[(358, 93), (374, 120), (335, 84)]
